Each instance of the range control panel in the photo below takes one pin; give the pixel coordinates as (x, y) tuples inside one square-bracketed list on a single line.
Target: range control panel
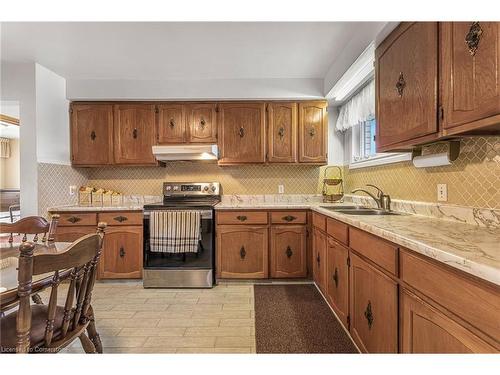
[(191, 188)]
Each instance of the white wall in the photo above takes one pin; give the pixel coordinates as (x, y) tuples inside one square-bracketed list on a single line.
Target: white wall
[(52, 119), (196, 89), (9, 167), (335, 139), (17, 82)]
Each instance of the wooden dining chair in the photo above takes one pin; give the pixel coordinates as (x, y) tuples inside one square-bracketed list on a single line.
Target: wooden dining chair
[(49, 328), (32, 225)]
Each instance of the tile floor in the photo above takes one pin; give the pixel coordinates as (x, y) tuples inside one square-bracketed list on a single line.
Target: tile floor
[(131, 319)]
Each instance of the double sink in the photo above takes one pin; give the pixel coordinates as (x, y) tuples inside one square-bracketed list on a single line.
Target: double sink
[(359, 210)]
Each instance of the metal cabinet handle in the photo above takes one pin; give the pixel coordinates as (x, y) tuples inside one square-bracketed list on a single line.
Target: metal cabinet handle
[(74, 219), (122, 252), (241, 218), (172, 123), (473, 37), (202, 123), (120, 219), (400, 84), (312, 132), (318, 258), (281, 132), (242, 132), (243, 252), (288, 252), (134, 133), (289, 218), (92, 135), (336, 277), (369, 314)]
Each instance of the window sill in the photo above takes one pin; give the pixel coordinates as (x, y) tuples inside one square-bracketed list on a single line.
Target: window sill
[(396, 158)]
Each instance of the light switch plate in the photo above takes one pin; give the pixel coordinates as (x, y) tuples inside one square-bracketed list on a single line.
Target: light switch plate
[(72, 190), (442, 192), (281, 189)]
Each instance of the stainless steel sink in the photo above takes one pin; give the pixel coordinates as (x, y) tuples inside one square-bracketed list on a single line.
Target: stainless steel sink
[(339, 208), (367, 211)]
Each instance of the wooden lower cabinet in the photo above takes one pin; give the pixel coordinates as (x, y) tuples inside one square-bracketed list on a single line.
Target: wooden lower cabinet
[(242, 251), (337, 279), (319, 259), (70, 234), (373, 308), (121, 256), (288, 251), (424, 329)]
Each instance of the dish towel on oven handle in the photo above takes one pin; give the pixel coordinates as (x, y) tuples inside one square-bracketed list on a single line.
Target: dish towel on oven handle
[(174, 231)]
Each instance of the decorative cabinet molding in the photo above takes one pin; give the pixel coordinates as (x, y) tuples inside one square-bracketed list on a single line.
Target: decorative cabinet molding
[(171, 123), (202, 122), (313, 132), (288, 251)]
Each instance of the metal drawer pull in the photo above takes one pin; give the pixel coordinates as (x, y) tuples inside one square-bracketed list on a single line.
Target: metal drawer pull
[(241, 218), (92, 135), (400, 84), (202, 123), (473, 37), (172, 123), (243, 252), (242, 132), (74, 219), (312, 132), (121, 219), (134, 133), (289, 218), (336, 277), (317, 258), (281, 132), (122, 252), (369, 315), (288, 252)]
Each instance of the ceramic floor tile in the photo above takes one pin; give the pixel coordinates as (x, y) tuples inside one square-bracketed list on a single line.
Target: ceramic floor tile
[(242, 322), (174, 322), (235, 341), (218, 331), (151, 332), (180, 342)]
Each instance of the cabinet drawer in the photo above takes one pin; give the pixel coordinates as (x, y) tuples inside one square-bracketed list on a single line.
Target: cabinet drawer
[(475, 303), (73, 232), (72, 219), (121, 218), (288, 217), (319, 221), (337, 230), (242, 217), (383, 253)]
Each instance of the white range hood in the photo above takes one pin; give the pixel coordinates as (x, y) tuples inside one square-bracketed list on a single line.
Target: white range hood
[(186, 152)]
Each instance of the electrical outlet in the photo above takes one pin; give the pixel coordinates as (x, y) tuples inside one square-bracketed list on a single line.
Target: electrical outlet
[(72, 190), (281, 189), (442, 192)]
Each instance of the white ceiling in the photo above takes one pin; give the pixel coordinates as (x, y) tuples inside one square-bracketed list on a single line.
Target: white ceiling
[(196, 50)]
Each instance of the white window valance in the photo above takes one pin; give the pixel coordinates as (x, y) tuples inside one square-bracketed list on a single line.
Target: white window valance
[(360, 108), (4, 147)]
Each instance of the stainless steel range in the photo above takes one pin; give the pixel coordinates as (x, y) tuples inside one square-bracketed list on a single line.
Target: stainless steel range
[(179, 236)]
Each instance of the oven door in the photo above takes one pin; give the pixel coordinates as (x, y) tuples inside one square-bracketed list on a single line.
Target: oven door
[(202, 259)]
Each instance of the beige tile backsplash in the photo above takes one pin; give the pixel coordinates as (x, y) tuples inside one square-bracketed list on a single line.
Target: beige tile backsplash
[(473, 179)]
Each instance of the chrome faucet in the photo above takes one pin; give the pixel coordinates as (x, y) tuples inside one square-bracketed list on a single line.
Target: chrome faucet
[(383, 200)]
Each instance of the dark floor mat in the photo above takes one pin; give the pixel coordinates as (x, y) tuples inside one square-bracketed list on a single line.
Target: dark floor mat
[(295, 319)]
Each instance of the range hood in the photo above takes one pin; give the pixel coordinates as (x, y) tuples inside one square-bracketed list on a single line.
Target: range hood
[(186, 152)]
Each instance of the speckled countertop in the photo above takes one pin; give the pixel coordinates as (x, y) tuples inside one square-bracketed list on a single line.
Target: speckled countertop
[(470, 248), (76, 208)]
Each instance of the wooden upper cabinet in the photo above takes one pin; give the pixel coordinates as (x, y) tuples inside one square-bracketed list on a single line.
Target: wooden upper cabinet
[(202, 122), (242, 133), (313, 132), (425, 329), (407, 86), (134, 129), (91, 134), (282, 132), (373, 308), (171, 123), (470, 73)]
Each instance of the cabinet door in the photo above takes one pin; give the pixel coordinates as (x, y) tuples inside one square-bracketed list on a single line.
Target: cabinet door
[(171, 123), (337, 279), (470, 70), (134, 129), (319, 259), (406, 84), (72, 233), (282, 128), (121, 256), (242, 252), (288, 251), (313, 132), (91, 134), (373, 308), (242, 133), (202, 123), (424, 329)]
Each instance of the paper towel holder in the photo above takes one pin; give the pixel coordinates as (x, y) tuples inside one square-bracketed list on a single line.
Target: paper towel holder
[(434, 160)]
